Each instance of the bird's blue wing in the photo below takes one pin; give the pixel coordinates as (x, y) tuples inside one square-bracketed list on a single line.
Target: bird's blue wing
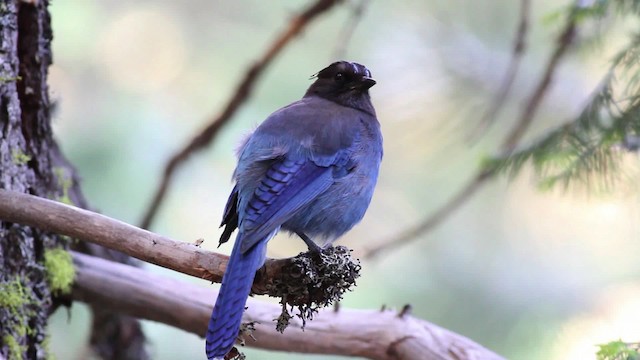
[(230, 216), (288, 185)]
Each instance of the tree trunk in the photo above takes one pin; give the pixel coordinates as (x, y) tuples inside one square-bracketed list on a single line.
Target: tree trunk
[(35, 269), (25, 166)]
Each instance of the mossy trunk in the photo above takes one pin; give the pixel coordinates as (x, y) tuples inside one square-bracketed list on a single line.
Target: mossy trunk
[(25, 166), (35, 269)]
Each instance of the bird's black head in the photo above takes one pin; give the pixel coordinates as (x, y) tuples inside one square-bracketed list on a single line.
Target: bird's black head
[(345, 83)]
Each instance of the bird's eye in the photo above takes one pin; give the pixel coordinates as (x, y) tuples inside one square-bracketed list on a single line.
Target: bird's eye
[(339, 77)]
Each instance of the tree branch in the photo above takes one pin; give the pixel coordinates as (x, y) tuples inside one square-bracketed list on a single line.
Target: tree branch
[(308, 281), (102, 230), (239, 97), (141, 244), (349, 28), (519, 46), (432, 221), (127, 289), (382, 335), (563, 43)]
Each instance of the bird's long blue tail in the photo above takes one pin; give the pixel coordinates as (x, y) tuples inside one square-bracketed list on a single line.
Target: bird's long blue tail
[(224, 323)]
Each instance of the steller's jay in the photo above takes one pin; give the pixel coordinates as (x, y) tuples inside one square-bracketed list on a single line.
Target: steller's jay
[(310, 169)]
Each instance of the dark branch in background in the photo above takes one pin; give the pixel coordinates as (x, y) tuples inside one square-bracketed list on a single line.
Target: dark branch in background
[(519, 48), (113, 336), (239, 97), (563, 43), (432, 221), (349, 28), (588, 150), (381, 335)]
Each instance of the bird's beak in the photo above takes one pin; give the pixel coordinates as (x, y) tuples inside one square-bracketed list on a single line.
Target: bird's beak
[(367, 82), (364, 83)]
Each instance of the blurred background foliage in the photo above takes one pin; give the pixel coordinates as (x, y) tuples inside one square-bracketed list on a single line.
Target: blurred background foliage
[(529, 274)]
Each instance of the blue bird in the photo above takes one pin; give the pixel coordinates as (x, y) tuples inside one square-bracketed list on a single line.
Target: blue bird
[(310, 168)]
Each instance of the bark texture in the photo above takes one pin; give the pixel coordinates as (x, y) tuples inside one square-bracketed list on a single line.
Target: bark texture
[(25, 166), (31, 162)]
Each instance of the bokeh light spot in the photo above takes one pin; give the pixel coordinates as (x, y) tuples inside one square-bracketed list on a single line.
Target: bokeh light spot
[(142, 50)]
